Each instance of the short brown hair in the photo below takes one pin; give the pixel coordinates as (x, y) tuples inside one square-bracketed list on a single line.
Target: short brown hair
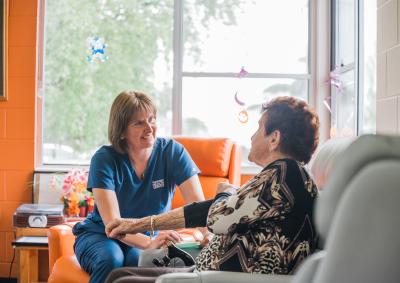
[(298, 124), (125, 105)]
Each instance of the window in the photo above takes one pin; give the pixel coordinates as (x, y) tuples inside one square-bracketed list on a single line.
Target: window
[(185, 53), (354, 63)]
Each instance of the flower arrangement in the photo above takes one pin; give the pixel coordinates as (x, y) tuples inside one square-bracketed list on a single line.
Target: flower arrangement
[(78, 201)]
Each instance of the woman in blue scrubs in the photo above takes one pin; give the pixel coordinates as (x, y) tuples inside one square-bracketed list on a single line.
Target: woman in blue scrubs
[(133, 177)]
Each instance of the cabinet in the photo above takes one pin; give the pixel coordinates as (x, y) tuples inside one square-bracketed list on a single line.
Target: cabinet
[(32, 254)]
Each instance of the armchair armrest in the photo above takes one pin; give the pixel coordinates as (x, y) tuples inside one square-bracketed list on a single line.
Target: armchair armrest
[(222, 277), (235, 165), (61, 242)]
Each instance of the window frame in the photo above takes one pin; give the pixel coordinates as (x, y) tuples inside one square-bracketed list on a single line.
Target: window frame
[(357, 66), (178, 75)]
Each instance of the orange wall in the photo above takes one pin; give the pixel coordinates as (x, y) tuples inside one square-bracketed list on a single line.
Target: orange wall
[(17, 123)]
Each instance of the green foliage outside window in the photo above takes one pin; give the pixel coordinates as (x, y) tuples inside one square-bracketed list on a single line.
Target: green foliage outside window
[(138, 33)]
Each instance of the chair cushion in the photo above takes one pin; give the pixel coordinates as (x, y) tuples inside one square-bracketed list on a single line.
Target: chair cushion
[(326, 157), (209, 185), (67, 270), (363, 151), (201, 149)]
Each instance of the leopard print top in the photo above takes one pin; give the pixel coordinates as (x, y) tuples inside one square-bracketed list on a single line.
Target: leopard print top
[(266, 227)]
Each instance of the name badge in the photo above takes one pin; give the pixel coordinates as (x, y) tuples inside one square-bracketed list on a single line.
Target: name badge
[(158, 184)]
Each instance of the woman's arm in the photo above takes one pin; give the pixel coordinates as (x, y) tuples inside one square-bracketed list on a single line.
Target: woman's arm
[(191, 190), (107, 203)]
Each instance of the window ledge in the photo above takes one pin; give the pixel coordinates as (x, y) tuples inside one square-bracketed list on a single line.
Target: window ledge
[(49, 168), (250, 170)]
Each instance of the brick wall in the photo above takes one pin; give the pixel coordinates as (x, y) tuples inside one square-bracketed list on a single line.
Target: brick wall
[(17, 122), (388, 67)]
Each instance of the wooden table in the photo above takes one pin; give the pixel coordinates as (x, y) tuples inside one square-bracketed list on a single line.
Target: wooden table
[(32, 250)]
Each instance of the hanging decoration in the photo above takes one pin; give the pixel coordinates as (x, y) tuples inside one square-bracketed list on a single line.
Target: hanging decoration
[(335, 81), (96, 49), (243, 116), (326, 104)]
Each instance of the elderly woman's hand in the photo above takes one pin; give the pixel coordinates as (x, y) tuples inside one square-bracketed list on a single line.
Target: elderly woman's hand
[(226, 188), (164, 238), (119, 227)]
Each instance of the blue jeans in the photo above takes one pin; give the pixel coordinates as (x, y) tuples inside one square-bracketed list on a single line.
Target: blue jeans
[(98, 255)]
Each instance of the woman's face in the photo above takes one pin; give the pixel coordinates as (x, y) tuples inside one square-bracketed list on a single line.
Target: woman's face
[(141, 131), (259, 143)]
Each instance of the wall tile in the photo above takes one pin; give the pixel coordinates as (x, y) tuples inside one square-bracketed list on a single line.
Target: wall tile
[(2, 251), (381, 75), (23, 7), (2, 186), (389, 24), (20, 123), (5, 269), (22, 31), (393, 72), (21, 61), (398, 21), (1, 212), (9, 249), (18, 186), (17, 155), (2, 124), (6, 216), (21, 93), (386, 116), (380, 2)]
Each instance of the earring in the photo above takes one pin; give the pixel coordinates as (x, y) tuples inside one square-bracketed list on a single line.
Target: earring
[(122, 137)]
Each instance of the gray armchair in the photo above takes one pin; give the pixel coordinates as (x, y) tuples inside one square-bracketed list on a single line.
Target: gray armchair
[(357, 218)]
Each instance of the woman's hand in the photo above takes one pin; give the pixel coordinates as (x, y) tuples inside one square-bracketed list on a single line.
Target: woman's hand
[(163, 238), (119, 227)]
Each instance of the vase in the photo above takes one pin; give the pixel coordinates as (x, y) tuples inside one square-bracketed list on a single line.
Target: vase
[(82, 211), (90, 209)]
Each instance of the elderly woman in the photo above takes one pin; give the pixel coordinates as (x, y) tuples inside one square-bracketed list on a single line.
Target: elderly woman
[(266, 225), (133, 177)]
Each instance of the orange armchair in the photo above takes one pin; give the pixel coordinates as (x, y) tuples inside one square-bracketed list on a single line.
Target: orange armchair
[(218, 160)]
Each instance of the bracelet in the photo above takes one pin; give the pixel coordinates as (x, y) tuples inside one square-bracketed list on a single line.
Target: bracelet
[(152, 220)]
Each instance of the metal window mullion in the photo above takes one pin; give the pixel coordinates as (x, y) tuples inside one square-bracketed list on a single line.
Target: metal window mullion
[(177, 68), (359, 63), (249, 75), (345, 68)]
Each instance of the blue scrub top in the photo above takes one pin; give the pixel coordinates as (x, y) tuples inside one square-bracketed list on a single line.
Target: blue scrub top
[(169, 165)]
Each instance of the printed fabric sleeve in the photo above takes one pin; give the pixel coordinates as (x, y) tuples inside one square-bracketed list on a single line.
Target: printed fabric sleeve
[(267, 196), (101, 172), (183, 167)]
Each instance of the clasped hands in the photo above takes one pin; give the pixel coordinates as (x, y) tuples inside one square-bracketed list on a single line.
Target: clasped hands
[(120, 227)]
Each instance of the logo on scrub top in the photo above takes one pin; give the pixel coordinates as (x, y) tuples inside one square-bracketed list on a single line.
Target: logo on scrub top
[(158, 184)]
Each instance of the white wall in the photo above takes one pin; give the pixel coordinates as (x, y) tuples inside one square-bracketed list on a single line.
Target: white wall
[(388, 67)]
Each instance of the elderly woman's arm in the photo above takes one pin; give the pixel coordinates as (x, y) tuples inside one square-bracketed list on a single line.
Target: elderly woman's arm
[(189, 216)]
